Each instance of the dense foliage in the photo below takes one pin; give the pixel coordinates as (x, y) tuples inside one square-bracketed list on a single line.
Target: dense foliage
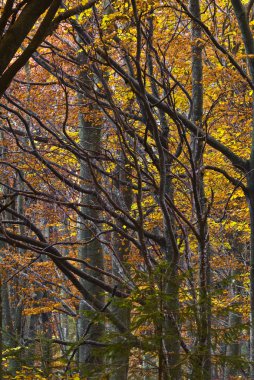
[(127, 189)]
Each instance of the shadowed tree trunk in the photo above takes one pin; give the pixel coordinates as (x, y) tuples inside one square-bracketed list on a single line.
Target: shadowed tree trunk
[(247, 37), (91, 251), (120, 356), (202, 357), (234, 321)]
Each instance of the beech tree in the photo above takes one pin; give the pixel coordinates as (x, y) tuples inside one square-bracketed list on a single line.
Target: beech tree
[(18, 19), (141, 150)]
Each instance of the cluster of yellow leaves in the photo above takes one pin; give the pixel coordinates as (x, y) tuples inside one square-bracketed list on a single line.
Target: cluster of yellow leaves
[(49, 308)]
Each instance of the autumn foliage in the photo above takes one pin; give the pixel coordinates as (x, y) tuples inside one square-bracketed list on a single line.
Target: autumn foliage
[(127, 190)]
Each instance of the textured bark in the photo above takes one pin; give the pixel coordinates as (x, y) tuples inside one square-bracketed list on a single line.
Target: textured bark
[(169, 350), (233, 349), (120, 357), (248, 40), (92, 252), (10, 336), (202, 356), (47, 353)]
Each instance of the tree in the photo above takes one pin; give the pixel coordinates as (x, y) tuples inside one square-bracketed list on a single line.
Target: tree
[(152, 184), (18, 18)]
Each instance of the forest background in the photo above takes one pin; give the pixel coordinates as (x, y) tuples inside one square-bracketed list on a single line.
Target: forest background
[(127, 189)]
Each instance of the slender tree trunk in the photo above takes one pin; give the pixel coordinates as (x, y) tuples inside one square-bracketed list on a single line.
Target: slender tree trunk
[(11, 321), (9, 337), (90, 251), (171, 364), (248, 40), (202, 360), (30, 335), (120, 357), (169, 350), (233, 349), (46, 343), (251, 209), (47, 353)]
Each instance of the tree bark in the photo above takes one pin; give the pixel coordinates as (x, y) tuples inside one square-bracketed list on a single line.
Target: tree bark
[(202, 356), (120, 357), (90, 251)]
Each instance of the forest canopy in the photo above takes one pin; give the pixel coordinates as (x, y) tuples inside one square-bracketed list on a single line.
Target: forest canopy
[(127, 189)]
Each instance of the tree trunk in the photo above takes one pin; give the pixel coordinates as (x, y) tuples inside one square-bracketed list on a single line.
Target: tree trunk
[(169, 350), (251, 210), (120, 357), (92, 253), (202, 358), (248, 40)]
